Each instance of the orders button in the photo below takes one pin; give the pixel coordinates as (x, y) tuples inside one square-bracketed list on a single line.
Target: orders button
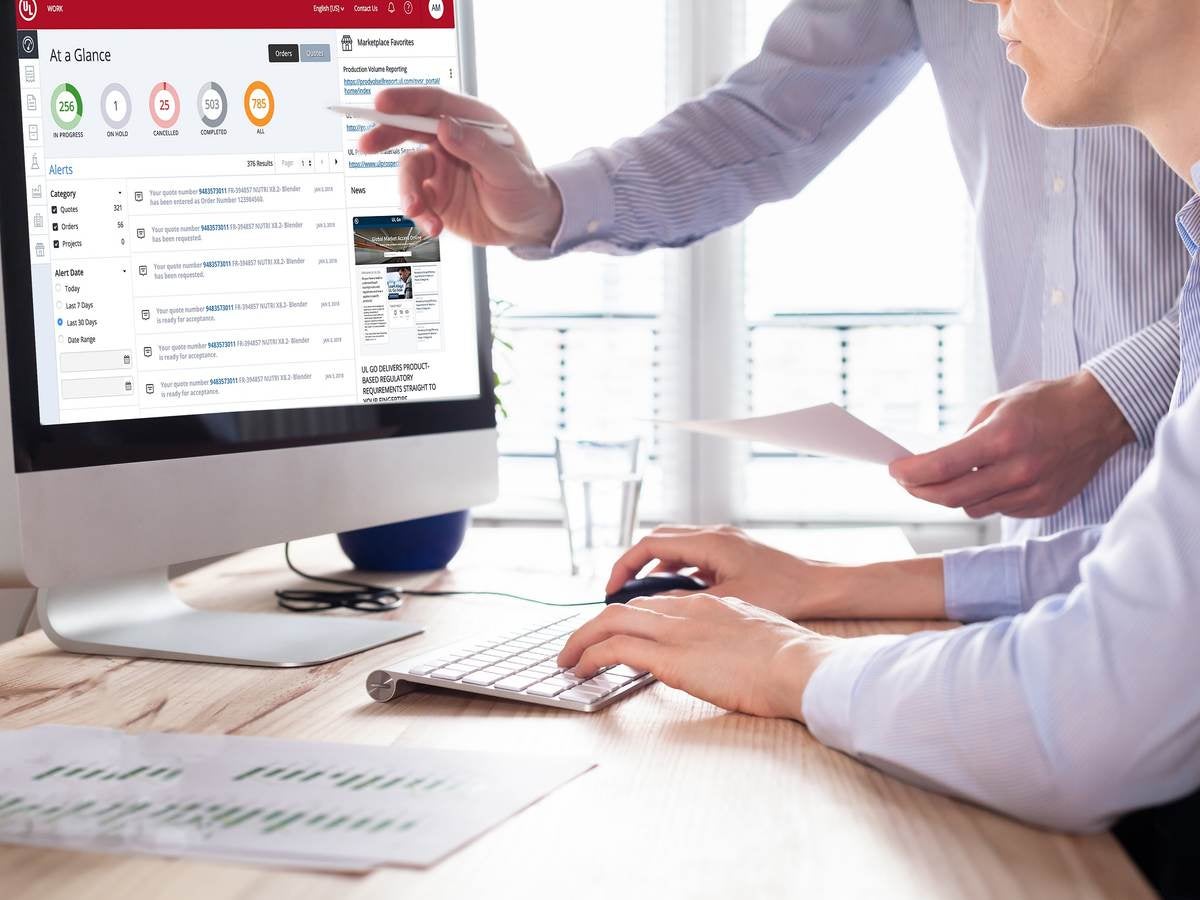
[(283, 53)]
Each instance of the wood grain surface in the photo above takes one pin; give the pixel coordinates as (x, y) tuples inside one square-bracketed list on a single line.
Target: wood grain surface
[(687, 801)]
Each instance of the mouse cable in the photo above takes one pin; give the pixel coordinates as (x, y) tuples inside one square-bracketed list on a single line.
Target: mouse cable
[(374, 598)]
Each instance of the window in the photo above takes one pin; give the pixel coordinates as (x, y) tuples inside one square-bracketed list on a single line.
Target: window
[(583, 329), (861, 290), (812, 306)]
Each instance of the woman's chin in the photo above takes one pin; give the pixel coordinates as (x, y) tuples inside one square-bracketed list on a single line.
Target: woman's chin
[(1052, 112), (1054, 107)]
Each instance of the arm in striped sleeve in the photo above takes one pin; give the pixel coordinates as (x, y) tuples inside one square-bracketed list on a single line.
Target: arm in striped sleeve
[(1139, 374), (826, 70)]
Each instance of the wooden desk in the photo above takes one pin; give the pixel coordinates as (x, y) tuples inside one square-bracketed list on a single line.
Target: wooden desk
[(687, 801)]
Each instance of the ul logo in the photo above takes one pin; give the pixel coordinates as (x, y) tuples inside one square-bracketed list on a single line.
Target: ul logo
[(27, 9)]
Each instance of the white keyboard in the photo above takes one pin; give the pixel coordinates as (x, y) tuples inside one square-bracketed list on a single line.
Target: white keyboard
[(516, 665)]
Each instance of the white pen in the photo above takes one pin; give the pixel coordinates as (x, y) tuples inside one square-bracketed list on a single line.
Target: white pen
[(425, 124)]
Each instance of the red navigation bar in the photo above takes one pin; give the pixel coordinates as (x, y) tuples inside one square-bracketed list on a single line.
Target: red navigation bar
[(264, 14)]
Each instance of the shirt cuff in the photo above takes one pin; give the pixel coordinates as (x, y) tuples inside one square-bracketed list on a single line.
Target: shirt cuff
[(1139, 375), (830, 693), (983, 583), (588, 208)]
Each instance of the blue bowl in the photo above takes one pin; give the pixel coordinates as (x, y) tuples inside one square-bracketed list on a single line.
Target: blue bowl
[(420, 545)]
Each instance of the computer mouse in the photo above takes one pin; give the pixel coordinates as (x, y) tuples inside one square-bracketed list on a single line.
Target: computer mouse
[(656, 583)]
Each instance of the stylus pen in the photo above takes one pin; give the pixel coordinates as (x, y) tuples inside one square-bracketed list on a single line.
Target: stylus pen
[(425, 124)]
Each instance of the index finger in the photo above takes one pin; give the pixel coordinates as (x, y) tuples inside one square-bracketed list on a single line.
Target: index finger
[(678, 550), (952, 461), (633, 621)]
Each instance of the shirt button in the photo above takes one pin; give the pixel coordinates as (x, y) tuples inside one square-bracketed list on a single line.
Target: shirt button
[(1060, 184), (1057, 297), (593, 226)]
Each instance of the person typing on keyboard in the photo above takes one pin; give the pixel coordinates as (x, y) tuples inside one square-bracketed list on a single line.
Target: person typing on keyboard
[(1072, 701)]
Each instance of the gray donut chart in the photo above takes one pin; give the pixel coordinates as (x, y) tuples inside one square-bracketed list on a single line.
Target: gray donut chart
[(210, 120), (114, 121)]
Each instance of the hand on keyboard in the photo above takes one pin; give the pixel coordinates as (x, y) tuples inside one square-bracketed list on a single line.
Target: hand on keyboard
[(723, 650), (519, 665)]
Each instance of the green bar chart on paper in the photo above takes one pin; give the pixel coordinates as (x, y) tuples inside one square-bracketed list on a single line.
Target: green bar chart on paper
[(345, 778), (68, 771), (277, 802)]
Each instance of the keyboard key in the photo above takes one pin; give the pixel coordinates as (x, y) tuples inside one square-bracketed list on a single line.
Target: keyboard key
[(591, 687), (547, 689), (424, 668), (625, 671), (450, 673), (545, 669), (556, 683), (606, 683), (484, 677), (582, 694), (438, 661), (516, 682)]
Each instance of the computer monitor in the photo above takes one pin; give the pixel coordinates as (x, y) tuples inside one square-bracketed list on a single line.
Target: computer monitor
[(206, 352)]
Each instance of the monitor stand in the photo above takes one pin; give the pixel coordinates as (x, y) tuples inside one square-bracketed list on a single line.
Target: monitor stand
[(140, 615)]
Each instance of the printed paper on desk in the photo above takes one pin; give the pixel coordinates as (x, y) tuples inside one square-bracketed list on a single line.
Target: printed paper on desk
[(825, 430), (266, 801)]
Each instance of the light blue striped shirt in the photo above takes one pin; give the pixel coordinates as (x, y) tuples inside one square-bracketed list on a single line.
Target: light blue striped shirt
[(1080, 262), (1085, 706)]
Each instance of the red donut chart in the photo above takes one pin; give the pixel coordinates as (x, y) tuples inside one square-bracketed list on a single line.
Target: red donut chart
[(164, 105)]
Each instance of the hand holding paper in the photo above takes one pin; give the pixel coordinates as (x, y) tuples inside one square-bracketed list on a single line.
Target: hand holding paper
[(825, 430), (1027, 452)]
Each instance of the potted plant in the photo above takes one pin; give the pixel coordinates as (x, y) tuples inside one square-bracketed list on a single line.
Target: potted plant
[(421, 545)]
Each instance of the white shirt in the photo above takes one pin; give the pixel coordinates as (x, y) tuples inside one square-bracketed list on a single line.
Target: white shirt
[(1087, 705)]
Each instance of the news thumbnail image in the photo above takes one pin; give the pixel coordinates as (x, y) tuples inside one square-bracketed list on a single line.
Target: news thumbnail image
[(392, 240), (400, 283)]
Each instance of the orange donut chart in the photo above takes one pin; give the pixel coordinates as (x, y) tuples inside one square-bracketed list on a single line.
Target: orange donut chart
[(259, 103)]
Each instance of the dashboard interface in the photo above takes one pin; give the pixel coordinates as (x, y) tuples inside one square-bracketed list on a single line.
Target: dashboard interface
[(204, 237)]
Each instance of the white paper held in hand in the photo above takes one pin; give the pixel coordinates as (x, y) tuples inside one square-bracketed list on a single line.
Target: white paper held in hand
[(825, 430)]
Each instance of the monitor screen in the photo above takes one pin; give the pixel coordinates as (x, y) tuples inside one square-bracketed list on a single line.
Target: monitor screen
[(204, 240)]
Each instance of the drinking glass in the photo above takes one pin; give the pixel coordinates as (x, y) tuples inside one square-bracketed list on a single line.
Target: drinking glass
[(600, 486)]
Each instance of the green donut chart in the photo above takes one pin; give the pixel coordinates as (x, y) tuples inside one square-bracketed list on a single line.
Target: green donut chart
[(66, 105)]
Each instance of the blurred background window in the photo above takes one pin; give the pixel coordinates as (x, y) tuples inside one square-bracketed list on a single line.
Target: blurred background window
[(862, 290)]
